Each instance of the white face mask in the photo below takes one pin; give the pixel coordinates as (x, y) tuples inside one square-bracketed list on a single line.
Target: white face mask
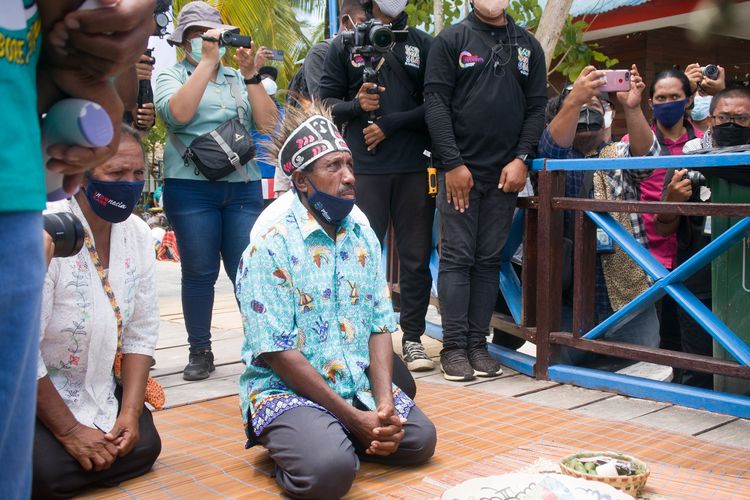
[(490, 9), (270, 86), (607, 119)]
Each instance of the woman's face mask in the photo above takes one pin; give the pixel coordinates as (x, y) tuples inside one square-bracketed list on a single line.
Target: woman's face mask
[(607, 119), (196, 48)]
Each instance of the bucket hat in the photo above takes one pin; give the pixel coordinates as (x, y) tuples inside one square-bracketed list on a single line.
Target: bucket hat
[(197, 14)]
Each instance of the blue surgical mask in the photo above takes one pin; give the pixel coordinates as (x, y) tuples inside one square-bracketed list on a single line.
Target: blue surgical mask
[(701, 105), (331, 209), (196, 48), (670, 113), (113, 201)]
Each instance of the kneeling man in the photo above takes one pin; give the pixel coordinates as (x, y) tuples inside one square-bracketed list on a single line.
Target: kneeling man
[(317, 390)]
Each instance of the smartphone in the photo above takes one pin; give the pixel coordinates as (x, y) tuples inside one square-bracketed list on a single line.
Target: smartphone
[(618, 80), (278, 55)]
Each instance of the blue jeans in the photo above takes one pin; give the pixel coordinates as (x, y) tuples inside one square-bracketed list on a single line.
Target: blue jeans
[(22, 262), (212, 222)]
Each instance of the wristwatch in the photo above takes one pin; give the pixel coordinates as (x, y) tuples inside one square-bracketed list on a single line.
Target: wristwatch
[(253, 81), (525, 158)]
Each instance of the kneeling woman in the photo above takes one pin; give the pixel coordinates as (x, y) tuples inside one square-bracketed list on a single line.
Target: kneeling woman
[(100, 324)]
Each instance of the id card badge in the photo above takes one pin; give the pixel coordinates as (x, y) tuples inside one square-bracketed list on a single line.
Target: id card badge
[(604, 243)]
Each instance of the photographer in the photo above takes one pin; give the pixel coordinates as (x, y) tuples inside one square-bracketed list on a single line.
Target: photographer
[(92, 427), (211, 219), (730, 126), (386, 130)]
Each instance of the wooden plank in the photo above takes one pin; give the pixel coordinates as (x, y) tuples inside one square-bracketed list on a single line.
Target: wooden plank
[(204, 390), (654, 355), (173, 359), (621, 408), (438, 378), (222, 371), (516, 385), (736, 433), (687, 420), (653, 207), (566, 397)]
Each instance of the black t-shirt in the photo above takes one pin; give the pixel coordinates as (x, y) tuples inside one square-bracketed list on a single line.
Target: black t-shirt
[(401, 114), (496, 103)]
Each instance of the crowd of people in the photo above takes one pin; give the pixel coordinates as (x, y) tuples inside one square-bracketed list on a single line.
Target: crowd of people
[(322, 388)]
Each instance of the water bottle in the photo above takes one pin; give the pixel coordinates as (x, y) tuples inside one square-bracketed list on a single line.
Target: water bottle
[(73, 122)]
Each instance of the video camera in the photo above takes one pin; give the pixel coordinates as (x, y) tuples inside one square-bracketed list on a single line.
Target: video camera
[(230, 38), (372, 38)]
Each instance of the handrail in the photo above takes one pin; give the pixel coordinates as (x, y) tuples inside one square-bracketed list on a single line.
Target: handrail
[(643, 162)]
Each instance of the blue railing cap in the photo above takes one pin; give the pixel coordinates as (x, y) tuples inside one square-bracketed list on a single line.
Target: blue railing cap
[(645, 162)]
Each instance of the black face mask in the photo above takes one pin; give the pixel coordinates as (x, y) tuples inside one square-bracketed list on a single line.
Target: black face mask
[(730, 134), (590, 120)]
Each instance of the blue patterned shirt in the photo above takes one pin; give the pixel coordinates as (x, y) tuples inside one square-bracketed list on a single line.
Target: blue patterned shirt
[(299, 289)]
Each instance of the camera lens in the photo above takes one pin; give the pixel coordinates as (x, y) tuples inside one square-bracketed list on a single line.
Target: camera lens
[(66, 232), (711, 71), (381, 38)]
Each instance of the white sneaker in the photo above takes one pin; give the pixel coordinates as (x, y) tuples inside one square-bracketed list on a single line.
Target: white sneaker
[(416, 358)]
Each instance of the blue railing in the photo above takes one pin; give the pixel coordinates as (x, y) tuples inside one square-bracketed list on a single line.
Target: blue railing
[(542, 309)]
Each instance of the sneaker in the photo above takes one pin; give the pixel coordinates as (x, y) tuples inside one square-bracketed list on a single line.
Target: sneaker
[(200, 364), (455, 365), (416, 358), (483, 364)]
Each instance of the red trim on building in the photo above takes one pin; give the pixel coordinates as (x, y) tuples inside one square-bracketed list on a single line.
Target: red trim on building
[(655, 9)]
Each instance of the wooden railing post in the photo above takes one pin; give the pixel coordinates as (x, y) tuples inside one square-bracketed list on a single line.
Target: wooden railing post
[(584, 274), (529, 271), (549, 262)]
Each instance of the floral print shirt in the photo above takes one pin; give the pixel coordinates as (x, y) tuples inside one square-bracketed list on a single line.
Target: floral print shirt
[(79, 329), (299, 289)]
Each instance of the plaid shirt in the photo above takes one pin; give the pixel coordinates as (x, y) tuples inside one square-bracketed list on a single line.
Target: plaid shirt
[(624, 184)]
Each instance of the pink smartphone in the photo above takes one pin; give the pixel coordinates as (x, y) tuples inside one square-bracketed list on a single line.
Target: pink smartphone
[(618, 80)]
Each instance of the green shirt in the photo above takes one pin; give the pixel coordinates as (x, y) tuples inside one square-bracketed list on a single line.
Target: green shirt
[(21, 172), (217, 106)]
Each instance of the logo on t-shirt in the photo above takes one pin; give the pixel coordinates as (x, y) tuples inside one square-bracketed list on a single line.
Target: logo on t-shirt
[(412, 56), (467, 60), (523, 60)]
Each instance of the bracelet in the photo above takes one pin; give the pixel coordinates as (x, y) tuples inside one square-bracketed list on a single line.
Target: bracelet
[(253, 80)]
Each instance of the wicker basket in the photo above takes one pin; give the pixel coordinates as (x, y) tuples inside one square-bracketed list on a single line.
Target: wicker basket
[(632, 485)]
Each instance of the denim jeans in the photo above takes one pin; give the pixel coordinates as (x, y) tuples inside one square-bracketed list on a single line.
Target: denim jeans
[(22, 262), (471, 245), (212, 222)]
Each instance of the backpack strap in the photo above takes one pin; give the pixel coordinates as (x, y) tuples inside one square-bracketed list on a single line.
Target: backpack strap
[(401, 74)]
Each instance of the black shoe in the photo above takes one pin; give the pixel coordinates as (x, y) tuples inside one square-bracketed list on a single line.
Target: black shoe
[(455, 365), (483, 364), (200, 364)]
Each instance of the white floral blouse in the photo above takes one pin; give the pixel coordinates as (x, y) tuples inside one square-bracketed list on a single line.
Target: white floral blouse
[(78, 328)]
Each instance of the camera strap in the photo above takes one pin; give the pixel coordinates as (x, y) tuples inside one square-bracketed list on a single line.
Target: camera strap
[(401, 74)]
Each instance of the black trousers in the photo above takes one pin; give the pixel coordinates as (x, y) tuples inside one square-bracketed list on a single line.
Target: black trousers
[(403, 200), (471, 245), (58, 475), (694, 340)]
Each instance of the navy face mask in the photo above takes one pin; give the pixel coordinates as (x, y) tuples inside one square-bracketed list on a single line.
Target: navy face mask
[(669, 113), (113, 201), (331, 209)]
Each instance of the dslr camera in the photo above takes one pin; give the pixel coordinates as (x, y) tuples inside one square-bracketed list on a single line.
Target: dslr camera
[(230, 38), (161, 17), (710, 71), (372, 38), (697, 180)]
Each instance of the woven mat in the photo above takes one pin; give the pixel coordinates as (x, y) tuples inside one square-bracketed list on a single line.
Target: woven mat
[(479, 434)]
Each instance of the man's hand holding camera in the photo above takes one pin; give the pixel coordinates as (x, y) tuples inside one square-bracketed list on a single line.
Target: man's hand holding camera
[(700, 80), (369, 96), (680, 188)]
